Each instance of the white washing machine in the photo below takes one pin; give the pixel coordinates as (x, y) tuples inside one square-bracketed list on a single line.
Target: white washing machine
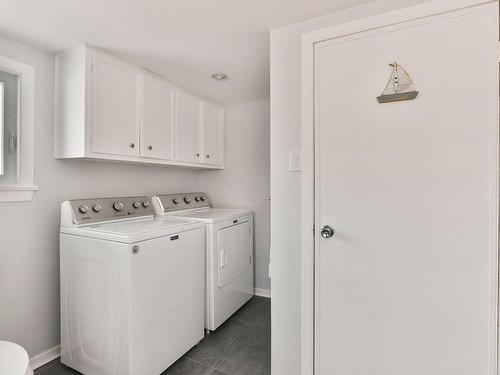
[(132, 287), (229, 255)]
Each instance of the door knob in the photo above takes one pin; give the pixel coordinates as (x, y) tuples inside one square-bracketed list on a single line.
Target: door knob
[(150, 148), (327, 231), (131, 145)]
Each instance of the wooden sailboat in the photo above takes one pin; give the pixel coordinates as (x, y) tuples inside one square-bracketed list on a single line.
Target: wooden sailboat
[(400, 86)]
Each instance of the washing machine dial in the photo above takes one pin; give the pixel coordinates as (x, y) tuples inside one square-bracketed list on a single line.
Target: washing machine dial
[(97, 208), (187, 200), (145, 204), (118, 206), (136, 204), (83, 209)]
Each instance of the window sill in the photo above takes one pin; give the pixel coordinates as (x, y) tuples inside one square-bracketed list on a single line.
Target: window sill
[(17, 193)]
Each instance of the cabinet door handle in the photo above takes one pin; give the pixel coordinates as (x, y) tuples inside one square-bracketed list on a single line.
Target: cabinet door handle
[(150, 148), (132, 145), (208, 156)]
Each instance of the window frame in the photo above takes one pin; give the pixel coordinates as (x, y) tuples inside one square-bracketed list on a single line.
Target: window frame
[(2, 128), (24, 187)]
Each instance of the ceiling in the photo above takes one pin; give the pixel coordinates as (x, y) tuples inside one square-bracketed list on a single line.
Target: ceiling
[(183, 40)]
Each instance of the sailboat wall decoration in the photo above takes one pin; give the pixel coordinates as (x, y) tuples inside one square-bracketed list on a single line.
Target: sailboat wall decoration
[(400, 86)]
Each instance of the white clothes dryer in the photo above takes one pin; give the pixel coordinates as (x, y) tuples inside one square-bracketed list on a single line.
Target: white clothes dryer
[(229, 251), (132, 287)]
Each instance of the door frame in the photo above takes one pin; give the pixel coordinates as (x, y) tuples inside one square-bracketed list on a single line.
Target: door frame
[(419, 14)]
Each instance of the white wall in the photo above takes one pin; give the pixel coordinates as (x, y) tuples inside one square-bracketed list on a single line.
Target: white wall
[(29, 249), (285, 186), (245, 180)]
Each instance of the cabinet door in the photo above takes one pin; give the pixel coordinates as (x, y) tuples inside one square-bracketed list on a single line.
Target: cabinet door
[(188, 127), (156, 118), (212, 133), (114, 107)]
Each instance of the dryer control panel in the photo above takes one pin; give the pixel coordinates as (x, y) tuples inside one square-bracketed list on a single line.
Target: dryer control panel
[(101, 209), (183, 201)]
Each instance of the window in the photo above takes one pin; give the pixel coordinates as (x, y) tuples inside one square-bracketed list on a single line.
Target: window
[(9, 128), (2, 127), (16, 131)]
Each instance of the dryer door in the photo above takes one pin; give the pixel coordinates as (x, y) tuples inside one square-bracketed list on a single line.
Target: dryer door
[(234, 252)]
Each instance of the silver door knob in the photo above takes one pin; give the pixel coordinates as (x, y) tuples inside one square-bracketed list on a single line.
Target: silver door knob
[(327, 231)]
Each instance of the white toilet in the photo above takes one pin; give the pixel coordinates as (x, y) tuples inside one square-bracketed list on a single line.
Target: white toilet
[(14, 359)]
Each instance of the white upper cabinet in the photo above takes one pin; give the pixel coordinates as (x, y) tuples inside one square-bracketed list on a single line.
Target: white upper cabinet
[(114, 110), (157, 115), (188, 127), (199, 130), (109, 109), (213, 139)]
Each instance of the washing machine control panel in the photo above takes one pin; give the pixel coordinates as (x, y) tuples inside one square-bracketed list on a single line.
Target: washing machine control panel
[(183, 201), (102, 209)]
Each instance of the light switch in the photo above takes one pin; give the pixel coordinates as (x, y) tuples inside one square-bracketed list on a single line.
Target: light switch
[(294, 161)]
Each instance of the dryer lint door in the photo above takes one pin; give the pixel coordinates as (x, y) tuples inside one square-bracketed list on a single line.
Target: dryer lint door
[(234, 252)]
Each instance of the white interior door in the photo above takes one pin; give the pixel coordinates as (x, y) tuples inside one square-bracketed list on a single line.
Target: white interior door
[(406, 285), (114, 107), (157, 118), (212, 133), (234, 251), (188, 127)]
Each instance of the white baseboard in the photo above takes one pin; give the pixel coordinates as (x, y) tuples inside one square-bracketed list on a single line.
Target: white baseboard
[(41, 359), (262, 292)]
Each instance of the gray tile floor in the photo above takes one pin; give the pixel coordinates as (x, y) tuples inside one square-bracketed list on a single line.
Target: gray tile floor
[(241, 346)]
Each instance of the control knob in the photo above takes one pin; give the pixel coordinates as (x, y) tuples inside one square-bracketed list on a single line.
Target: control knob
[(136, 205), (83, 209), (175, 200), (118, 206), (187, 200), (145, 204), (202, 198), (97, 208)]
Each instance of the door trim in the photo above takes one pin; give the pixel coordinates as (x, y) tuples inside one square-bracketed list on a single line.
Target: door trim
[(419, 14)]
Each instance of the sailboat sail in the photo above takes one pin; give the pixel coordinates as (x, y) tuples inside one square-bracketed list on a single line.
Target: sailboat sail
[(400, 86)]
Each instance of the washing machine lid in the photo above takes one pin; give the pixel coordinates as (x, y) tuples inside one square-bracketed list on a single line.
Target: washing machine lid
[(131, 231), (212, 215)]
